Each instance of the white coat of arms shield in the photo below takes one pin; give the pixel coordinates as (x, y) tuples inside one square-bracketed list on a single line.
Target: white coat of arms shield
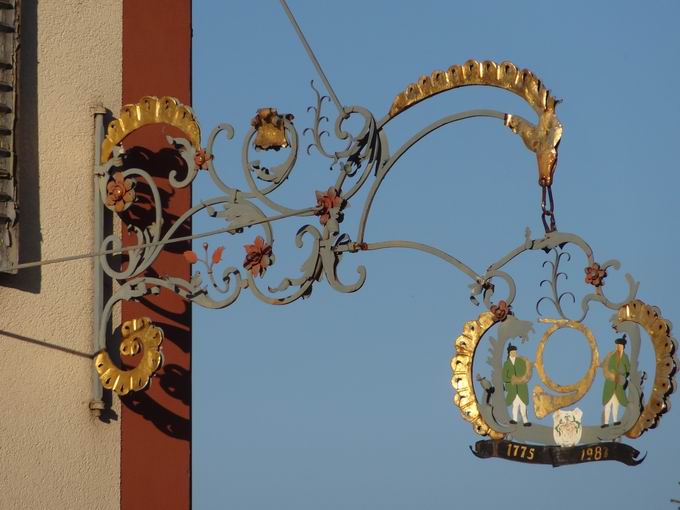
[(567, 426)]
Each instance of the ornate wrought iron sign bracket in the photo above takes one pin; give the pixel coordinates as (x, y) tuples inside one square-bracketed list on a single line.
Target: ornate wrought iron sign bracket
[(366, 160)]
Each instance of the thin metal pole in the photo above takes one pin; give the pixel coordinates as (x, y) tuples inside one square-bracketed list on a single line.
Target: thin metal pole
[(124, 249), (311, 55), (427, 249), (97, 404)]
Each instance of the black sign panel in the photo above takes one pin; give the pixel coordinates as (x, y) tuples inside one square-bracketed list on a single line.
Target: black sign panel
[(557, 455)]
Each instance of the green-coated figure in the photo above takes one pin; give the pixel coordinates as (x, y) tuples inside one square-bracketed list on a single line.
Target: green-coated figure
[(516, 375), (616, 369)]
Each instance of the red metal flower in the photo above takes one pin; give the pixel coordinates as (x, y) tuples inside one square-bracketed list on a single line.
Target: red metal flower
[(501, 310), (595, 275), (327, 201), (119, 192), (201, 159), (258, 257)]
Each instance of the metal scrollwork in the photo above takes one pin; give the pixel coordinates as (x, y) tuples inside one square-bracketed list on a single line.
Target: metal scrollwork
[(363, 155), (239, 209), (363, 159)]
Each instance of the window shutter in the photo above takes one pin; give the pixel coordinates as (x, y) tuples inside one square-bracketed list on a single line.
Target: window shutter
[(9, 45)]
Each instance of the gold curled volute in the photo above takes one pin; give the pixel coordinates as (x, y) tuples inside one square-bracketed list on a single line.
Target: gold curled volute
[(659, 330), (542, 138), (151, 110), (462, 382), (136, 334)]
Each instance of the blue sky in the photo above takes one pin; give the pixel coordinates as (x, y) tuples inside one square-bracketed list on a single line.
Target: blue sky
[(344, 400)]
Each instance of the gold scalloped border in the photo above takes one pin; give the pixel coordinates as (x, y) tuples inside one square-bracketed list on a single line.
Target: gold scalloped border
[(137, 334), (659, 330), (505, 75), (151, 110), (461, 365)]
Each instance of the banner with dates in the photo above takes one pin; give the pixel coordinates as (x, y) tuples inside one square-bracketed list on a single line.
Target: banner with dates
[(557, 455)]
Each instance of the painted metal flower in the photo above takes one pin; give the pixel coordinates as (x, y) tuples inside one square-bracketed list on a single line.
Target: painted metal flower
[(501, 310), (258, 257), (327, 201), (120, 192), (201, 159), (595, 275)]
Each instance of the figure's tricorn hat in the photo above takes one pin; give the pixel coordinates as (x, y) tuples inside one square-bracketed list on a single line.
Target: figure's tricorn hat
[(511, 348), (621, 341)]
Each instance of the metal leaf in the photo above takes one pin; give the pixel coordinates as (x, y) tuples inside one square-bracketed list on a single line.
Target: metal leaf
[(217, 255)]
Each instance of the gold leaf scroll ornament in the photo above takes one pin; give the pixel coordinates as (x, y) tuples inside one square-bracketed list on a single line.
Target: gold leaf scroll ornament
[(137, 334), (545, 403), (151, 110), (542, 138), (462, 382)]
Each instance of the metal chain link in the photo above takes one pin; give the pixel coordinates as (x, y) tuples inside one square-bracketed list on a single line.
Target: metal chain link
[(548, 209)]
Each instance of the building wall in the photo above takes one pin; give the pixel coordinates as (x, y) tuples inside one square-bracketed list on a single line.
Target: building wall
[(156, 423), (54, 453)]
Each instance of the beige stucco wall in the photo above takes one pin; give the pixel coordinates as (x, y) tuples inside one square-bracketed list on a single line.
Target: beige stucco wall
[(53, 452)]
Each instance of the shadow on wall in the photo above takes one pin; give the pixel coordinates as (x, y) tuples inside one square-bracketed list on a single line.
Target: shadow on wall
[(172, 380), (27, 150), (142, 213), (163, 419), (170, 391), (47, 345), (107, 415)]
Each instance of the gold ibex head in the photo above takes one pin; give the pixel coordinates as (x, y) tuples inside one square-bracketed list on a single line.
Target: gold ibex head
[(543, 139), (550, 131)]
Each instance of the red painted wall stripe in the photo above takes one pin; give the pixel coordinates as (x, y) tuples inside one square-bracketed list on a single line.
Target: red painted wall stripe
[(156, 424)]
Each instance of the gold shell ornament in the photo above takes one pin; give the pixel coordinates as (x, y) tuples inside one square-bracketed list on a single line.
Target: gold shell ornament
[(137, 334), (151, 110)]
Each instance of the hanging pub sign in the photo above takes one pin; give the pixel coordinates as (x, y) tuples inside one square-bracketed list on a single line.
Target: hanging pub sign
[(506, 393), (516, 384)]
